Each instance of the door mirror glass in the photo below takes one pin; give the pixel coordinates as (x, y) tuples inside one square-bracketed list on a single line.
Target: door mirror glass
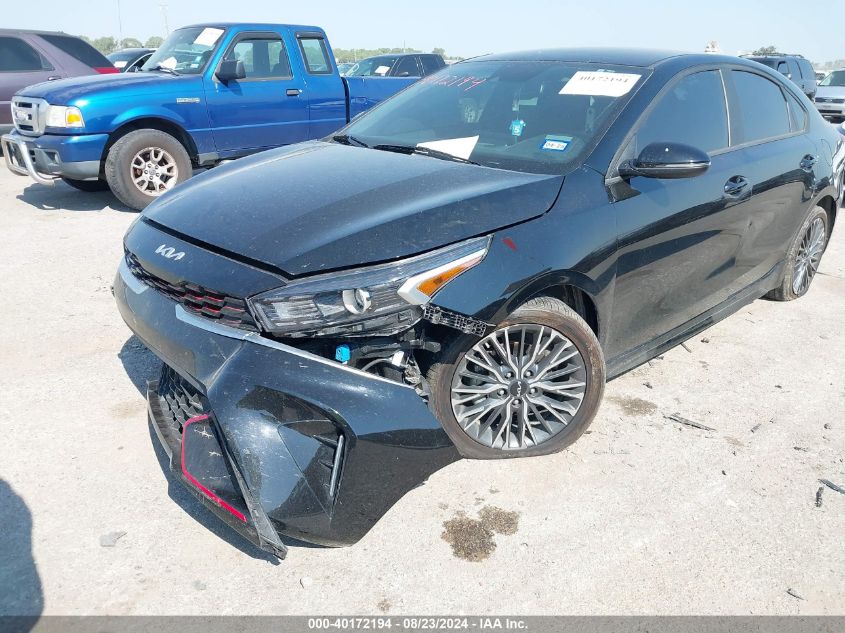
[(231, 69), (666, 160)]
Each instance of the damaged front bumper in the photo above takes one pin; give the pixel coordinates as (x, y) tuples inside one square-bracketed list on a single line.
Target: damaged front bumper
[(274, 440), (48, 158)]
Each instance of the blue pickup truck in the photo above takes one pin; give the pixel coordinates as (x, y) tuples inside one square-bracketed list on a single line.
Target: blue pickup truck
[(211, 92)]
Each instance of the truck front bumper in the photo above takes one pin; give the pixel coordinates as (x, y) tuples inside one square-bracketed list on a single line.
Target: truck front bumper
[(274, 440), (48, 157)]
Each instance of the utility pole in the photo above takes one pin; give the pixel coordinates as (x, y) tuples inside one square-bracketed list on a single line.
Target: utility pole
[(119, 25), (163, 7)]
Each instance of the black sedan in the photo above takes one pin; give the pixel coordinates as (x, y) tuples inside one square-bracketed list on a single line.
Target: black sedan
[(459, 271), (130, 60)]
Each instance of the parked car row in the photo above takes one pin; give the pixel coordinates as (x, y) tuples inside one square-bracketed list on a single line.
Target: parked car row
[(210, 93)]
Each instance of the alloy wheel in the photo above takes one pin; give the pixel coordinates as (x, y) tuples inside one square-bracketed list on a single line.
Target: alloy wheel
[(154, 171), (518, 387), (809, 255)]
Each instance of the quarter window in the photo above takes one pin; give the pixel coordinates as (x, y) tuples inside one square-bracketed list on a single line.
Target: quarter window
[(761, 109), (262, 57), (692, 112), (797, 114), (315, 54), (18, 56)]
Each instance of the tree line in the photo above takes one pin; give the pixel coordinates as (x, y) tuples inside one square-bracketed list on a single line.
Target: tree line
[(109, 44)]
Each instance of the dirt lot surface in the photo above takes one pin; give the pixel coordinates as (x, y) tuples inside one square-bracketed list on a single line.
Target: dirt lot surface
[(642, 516)]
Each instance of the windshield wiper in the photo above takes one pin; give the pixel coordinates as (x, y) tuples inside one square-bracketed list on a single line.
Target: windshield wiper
[(424, 151), (163, 69), (346, 139)]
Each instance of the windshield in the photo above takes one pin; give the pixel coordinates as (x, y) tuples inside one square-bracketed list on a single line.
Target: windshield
[(836, 78), (186, 51), (538, 117), (372, 67)]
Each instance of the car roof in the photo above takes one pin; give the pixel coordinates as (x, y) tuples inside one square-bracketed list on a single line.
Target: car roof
[(634, 57), (33, 32), (253, 26)]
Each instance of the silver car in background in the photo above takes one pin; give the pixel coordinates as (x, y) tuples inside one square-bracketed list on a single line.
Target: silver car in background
[(830, 97)]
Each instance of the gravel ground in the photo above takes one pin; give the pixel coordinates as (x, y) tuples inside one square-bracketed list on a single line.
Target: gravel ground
[(642, 516)]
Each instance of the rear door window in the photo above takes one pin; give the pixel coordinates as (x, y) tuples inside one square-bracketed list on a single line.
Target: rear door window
[(761, 111), (18, 56), (407, 67), (692, 112), (78, 49), (430, 64), (315, 54)]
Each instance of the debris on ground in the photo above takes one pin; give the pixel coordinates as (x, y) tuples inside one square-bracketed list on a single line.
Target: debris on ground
[(648, 385), (832, 486), (676, 417), (686, 347), (794, 594), (756, 427), (306, 582), (802, 449), (471, 539), (705, 340), (827, 426), (111, 539), (819, 496)]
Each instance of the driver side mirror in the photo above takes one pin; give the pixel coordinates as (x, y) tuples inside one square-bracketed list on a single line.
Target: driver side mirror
[(231, 69), (666, 160)]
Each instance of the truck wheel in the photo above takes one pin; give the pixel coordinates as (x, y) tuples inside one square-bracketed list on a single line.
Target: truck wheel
[(530, 387), (144, 164), (87, 185)]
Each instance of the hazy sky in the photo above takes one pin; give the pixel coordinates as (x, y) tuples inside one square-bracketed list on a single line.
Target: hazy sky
[(473, 27)]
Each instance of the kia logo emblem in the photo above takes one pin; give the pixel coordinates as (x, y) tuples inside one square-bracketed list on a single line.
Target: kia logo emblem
[(169, 252)]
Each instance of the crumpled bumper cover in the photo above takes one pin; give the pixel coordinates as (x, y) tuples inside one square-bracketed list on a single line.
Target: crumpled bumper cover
[(312, 449)]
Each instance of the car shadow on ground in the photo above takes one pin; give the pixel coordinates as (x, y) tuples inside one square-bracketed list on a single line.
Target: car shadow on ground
[(62, 197), (141, 366), (21, 595)]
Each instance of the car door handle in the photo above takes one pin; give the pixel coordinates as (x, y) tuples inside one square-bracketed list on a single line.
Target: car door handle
[(808, 162), (736, 186), (293, 92)]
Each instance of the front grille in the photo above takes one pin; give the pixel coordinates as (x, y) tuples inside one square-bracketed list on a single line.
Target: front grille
[(29, 115), (179, 400), (829, 100), (196, 299)]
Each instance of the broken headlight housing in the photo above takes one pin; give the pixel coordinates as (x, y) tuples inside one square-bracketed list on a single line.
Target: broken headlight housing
[(384, 299)]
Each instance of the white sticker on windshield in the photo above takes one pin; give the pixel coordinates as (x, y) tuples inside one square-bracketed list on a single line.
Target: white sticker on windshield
[(170, 62), (600, 84), (382, 70), (458, 147), (208, 37)]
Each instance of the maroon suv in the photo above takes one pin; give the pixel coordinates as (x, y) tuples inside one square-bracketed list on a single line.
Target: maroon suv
[(30, 57)]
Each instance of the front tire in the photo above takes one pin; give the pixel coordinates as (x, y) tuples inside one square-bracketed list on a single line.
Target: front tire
[(145, 164), (531, 387), (87, 185), (803, 257)]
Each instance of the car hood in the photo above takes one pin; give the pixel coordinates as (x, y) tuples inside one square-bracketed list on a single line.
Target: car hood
[(64, 91), (831, 91), (321, 206)]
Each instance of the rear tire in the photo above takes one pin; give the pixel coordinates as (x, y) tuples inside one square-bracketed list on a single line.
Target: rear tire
[(803, 257), (542, 384), (145, 164), (87, 185)]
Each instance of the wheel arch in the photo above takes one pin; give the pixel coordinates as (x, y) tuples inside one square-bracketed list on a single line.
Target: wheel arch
[(153, 123), (574, 289), (829, 204)]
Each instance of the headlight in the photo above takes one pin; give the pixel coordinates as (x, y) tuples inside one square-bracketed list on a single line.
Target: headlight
[(382, 299), (64, 116)]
